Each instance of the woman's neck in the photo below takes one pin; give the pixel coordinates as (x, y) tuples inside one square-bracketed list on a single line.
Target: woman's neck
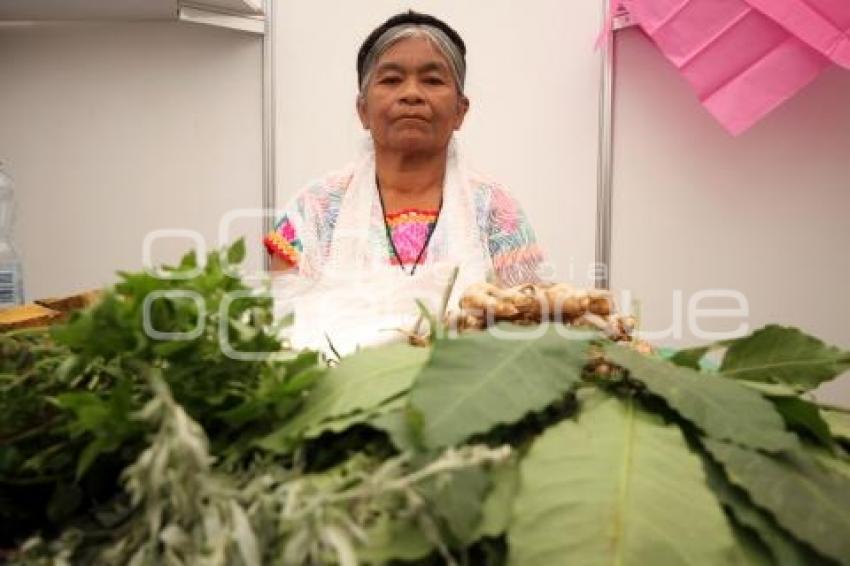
[(410, 181)]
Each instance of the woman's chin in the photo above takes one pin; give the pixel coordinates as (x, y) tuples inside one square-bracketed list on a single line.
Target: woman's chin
[(414, 144)]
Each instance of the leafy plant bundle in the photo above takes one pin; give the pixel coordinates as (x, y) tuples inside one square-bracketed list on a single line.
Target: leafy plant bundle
[(520, 445)]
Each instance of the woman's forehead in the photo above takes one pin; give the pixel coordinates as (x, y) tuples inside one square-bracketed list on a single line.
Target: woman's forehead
[(412, 53)]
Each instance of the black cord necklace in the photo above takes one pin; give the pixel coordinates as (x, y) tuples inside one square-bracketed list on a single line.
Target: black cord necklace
[(389, 232)]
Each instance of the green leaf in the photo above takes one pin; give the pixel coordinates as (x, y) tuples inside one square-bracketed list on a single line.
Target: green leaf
[(302, 361), (107, 421), (189, 261), (616, 487), (804, 498), (690, 358), (168, 349), (751, 549), (770, 389), (477, 381), (498, 506), (783, 548), (778, 354), (90, 410), (391, 540), (837, 461), (107, 330), (720, 407), (457, 500), (803, 415), (236, 252), (67, 368), (345, 422), (360, 383), (278, 391), (839, 423), (397, 425)]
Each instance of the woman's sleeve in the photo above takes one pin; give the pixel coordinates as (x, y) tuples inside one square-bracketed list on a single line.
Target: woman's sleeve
[(284, 242), (514, 250), (302, 234)]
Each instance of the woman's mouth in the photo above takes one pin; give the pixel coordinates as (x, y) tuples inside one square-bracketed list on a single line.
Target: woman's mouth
[(409, 118)]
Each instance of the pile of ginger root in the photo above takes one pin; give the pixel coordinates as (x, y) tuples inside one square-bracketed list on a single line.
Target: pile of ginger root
[(484, 304)]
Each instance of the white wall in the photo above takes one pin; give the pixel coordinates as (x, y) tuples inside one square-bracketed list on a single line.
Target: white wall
[(112, 130), (533, 79), (765, 213)]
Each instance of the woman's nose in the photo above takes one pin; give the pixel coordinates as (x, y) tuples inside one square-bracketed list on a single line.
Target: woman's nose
[(411, 92)]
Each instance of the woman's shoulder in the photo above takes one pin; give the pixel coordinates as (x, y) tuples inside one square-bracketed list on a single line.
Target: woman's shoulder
[(325, 191), (481, 182), (490, 195)]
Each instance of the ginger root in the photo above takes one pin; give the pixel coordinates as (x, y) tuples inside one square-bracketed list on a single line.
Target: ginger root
[(484, 304)]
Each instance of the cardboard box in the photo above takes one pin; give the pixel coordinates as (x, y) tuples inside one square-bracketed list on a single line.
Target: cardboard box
[(45, 311)]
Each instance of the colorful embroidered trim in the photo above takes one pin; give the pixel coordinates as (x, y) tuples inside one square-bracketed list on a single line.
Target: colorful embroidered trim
[(279, 246), (411, 215)]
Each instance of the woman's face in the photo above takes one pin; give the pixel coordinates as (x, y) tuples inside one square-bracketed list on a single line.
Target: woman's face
[(411, 104)]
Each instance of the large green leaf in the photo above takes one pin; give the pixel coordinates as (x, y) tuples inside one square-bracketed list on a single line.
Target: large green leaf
[(783, 548), (780, 354), (751, 550), (360, 383), (616, 487), (803, 415), (477, 381), (806, 499), (720, 407)]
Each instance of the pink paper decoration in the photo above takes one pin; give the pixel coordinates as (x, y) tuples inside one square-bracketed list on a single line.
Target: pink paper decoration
[(746, 57)]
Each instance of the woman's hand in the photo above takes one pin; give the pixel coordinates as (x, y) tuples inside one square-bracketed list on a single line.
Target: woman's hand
[(279, 265)]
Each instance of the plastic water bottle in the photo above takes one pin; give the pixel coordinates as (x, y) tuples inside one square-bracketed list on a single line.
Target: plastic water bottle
[(11, 275)]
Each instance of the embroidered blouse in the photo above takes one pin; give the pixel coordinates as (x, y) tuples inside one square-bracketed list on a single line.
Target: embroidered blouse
[(513, 248)]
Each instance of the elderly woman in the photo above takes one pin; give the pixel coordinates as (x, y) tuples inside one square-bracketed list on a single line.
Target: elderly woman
[(387, 229)]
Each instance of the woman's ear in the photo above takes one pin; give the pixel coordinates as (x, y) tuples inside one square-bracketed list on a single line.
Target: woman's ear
[(462, 108), (360, 104)]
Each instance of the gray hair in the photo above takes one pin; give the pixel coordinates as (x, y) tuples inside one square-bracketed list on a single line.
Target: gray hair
[(437, 37)]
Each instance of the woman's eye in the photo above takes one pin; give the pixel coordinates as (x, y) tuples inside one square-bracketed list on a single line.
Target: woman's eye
[(434, 81), (390, 80)]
